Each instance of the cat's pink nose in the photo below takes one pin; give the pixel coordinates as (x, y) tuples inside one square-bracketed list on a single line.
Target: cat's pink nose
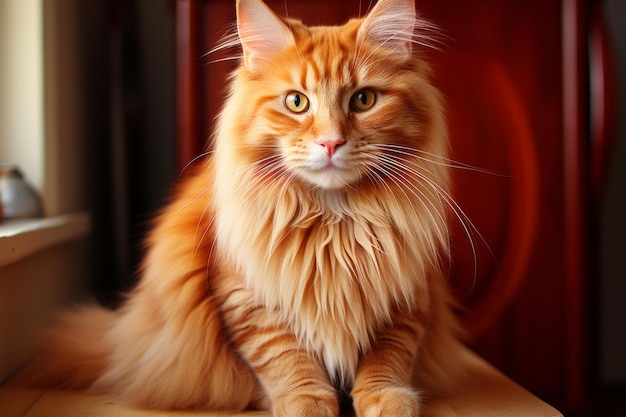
[(330, 145)]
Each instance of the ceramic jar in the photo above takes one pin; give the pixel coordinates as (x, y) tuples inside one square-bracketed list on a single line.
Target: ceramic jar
[(18, 199)]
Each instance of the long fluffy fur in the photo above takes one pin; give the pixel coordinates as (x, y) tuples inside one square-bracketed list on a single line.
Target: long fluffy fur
[(267, 287)]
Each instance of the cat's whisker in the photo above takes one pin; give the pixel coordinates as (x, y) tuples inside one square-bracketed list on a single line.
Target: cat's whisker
[(198, 242), (253, 183), (369, 6), (444, 194), (193, 161), (184, 206), (410, 190), (389, 174), (468, 226), (423, 34), (427, 37), (411, 187), (465, 222), (234, 45), (401, 163), (267, 174), (225, 59), (230, 40), (377, 178), (437, 159), (205, 190)]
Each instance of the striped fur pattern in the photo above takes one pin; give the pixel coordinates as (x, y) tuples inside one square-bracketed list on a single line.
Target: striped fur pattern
[(302, 261)]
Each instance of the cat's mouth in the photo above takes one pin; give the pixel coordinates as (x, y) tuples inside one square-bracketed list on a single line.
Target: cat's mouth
[(330, 165)]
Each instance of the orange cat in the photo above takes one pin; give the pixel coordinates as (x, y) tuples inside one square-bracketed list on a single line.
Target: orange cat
[(302, 261)]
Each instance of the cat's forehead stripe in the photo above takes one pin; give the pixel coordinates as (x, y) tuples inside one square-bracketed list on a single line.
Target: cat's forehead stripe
[(327, 53)]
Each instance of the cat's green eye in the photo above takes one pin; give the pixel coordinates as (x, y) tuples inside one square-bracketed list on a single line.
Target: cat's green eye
[(296, 102), (363, 100)]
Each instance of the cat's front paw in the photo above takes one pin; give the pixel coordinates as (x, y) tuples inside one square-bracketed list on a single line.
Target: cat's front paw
[(306, 405), (390, 401)]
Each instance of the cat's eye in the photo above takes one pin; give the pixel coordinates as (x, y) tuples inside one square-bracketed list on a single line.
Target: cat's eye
[(363, 100), (296, 102)]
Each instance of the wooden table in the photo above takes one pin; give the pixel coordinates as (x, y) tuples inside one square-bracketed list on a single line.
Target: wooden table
[(488, 393)]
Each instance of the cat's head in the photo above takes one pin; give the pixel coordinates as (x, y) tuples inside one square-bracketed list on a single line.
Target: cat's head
[(334, 107)]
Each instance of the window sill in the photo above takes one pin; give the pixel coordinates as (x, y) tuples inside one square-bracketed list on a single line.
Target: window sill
[(20, 238)]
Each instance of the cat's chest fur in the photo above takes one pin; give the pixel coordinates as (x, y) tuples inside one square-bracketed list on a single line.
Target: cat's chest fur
[(334, 274)]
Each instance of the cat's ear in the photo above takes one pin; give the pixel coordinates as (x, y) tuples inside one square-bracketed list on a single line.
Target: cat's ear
[(261, 32), (390, 24)]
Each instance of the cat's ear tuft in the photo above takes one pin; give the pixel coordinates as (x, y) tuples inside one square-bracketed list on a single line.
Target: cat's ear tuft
[(390, 24), (261, 32)]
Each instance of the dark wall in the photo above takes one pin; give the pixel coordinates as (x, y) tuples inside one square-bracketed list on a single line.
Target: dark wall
[(613, 224), (127, 61)]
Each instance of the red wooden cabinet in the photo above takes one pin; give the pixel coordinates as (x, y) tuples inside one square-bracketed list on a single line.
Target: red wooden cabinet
[(515, 77)]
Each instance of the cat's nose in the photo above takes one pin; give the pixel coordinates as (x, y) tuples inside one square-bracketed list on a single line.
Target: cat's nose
[(330, 144)]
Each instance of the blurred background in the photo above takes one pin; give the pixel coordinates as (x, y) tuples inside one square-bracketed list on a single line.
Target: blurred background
[(124, 98)]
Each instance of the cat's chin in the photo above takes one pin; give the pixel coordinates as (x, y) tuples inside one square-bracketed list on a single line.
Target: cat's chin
[(330, 179)]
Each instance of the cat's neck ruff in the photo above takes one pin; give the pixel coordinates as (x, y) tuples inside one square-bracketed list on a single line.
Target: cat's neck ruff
[(340, 262), (333, 200)]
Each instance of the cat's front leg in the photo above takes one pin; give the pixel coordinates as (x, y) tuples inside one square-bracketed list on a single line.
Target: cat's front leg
[(383, 381), (295, 382)]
